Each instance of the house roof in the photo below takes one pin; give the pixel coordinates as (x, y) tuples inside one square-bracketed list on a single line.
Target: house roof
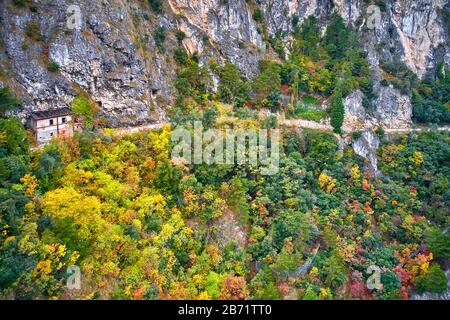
[(51, 113)]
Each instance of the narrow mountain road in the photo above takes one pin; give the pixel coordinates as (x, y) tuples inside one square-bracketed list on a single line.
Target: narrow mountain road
[(406, 130), (299, 123), (145, 127), (304, 268)]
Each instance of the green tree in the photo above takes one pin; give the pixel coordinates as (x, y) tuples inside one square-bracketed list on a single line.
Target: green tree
[(274, 99), (310, 294), (336, 38), (439, 243), (308, 38), (83, 106), (434, 280), (7, 100), (181, 56), (263, 286), (337, 113), (268, 80), (13, 137), (333, 270), (213, 285), (160, 37), (233, 89)]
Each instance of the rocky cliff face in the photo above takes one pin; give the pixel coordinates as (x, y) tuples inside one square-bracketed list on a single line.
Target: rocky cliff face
[(114, 56), (103, 58)]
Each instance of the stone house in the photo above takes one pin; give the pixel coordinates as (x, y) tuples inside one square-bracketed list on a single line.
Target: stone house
[(51, 123)]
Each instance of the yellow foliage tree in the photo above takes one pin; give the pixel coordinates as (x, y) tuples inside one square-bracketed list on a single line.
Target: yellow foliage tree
[(355, 173), (30, 182), (326, 182), (418, 158)]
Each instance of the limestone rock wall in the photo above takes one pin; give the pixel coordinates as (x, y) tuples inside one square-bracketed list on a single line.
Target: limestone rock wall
[(114, 57)]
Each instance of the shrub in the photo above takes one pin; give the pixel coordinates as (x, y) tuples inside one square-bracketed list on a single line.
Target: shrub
[(258, 15), (380, 132), (274, 99), (193, 80), (33, 31), (180, 35), (232, 88), (156, 5), (141, 42), (309, 114), (356, 135), (310, 101), (19, 3), (277, 43), (53, 66), (180, 56), (160, 37), (210, 116), (269, 122), (268, 80), (381, 4)]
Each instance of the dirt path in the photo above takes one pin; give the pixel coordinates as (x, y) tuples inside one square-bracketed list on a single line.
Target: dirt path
[(145, 127)]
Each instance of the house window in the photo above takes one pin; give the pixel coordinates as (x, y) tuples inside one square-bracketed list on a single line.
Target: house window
[(63, 120), (51, 122)]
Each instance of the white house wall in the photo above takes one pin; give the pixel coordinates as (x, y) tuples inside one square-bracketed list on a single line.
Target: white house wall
[(46, 134)]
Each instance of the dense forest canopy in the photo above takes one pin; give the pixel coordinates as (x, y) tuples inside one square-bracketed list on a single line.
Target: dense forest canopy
[(143, 227)]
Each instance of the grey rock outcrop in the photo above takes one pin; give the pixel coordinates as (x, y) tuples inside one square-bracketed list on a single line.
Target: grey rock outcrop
[(229, 29), (356, 117), (394, 110), (366, 147)]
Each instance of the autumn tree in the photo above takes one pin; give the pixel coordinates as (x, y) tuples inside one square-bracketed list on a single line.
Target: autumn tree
[(234, 288)]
